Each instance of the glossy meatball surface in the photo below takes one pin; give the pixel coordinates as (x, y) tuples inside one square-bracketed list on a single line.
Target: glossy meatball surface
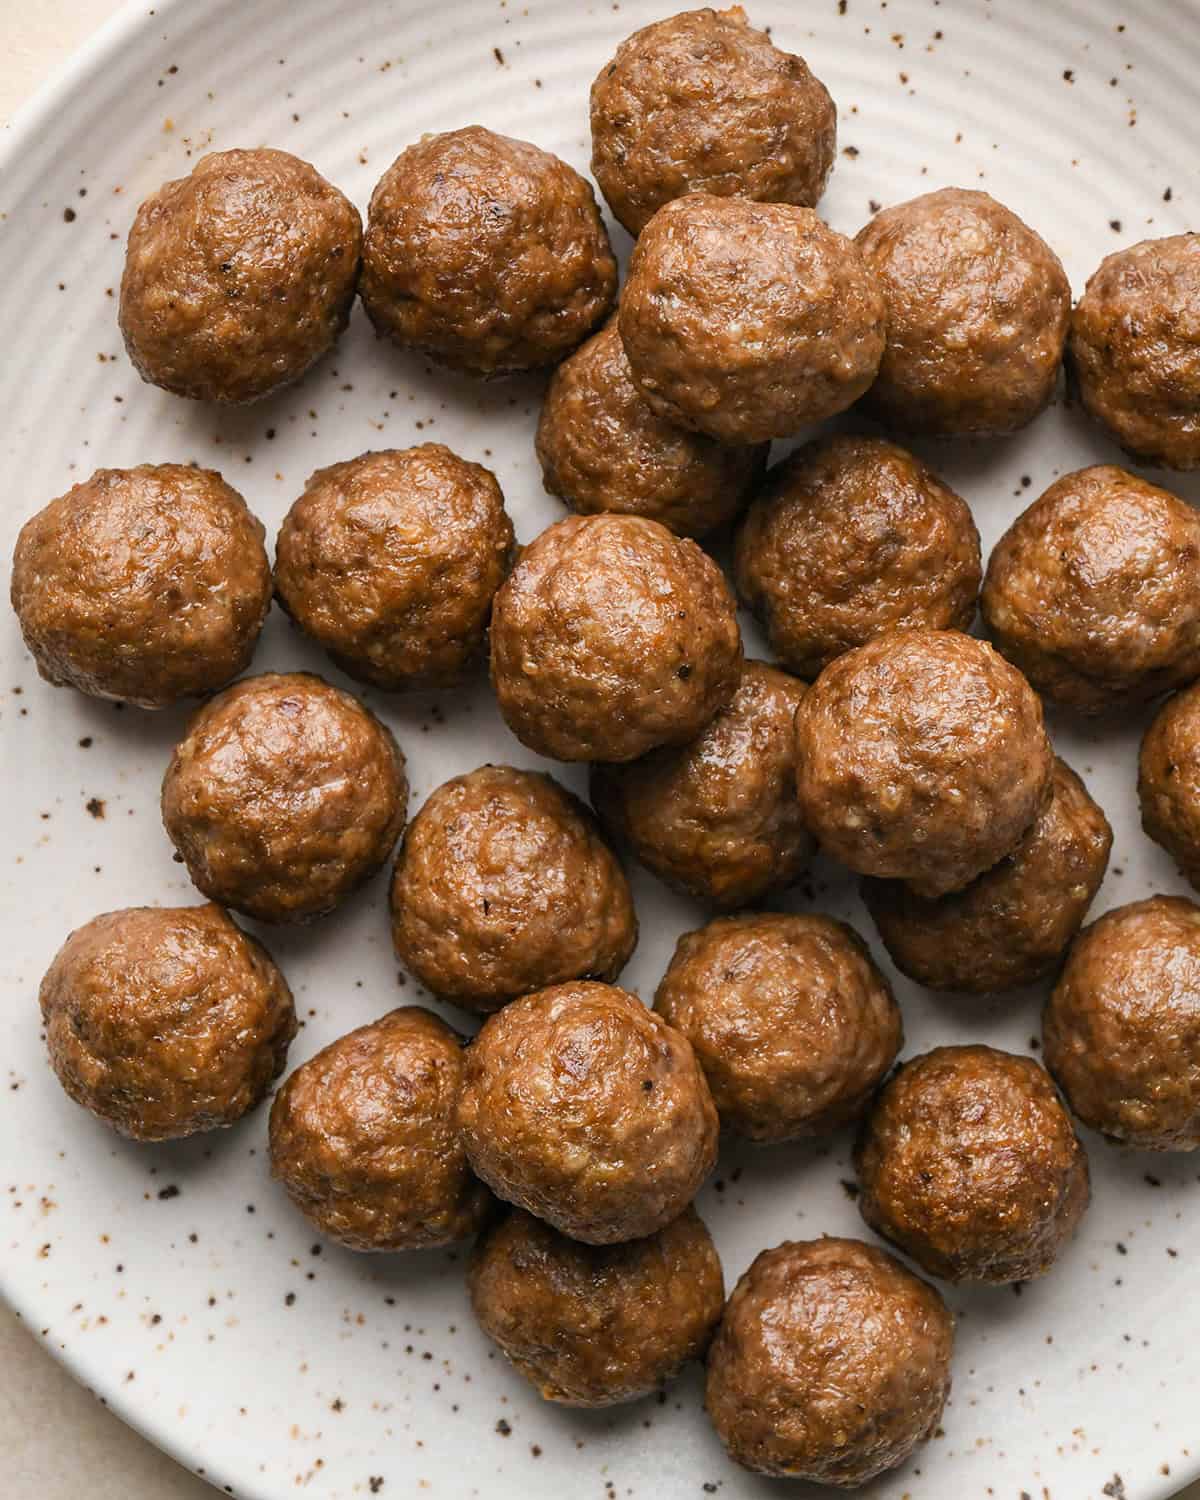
[(364, 1137), (485, 254), (1169, 780), (610, 637), (594, 1325), (969, 1163), (747, 321), (284, 795), (239, 276), (790, 1019), (589, 1111), (165, 1021), (831, 1364), (142, 585)]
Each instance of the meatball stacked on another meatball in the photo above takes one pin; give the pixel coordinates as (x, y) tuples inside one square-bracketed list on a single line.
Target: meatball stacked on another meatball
[(1169, 780)]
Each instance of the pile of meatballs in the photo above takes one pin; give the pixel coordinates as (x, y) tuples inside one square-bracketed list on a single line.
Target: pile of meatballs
[(571, 1134)]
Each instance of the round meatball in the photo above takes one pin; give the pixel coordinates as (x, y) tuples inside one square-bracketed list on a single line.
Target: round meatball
[(485, 254), (1011, 925), (593, 1325), (165, 1021), (1135, 350), (832, 1363), (1093, 593), (1121, 1031), (365, 1141), (390, 561), (602, 448), (747, 321), (284, 795), (852, 536), (238, 277), (921, 756), (612, 636), (143, 585), (977, 312), (792, 1023), (969, 1163), (503, 886), (588, 1110), (718, 818), (703, 102), (1169, 781)]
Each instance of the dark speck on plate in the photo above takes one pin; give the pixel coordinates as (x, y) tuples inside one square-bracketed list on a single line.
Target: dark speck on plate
[(69, 215), (95, 806), (503, 1428)]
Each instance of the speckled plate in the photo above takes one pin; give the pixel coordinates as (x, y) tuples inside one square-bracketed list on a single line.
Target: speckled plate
[(175, 1280)]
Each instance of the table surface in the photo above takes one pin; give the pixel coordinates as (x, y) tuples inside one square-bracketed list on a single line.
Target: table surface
[(57, 1440)]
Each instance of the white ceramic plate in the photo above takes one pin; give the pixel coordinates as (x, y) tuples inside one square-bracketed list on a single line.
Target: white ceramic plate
[(176, 1281)]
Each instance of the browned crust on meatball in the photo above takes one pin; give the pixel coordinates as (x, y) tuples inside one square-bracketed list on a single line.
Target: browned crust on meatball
[(486, 254), (594, 1325), (166, 1021), (284, 795), (612, 636), (239, 276), (589, 1111), (832, 1363), (1169, 780)]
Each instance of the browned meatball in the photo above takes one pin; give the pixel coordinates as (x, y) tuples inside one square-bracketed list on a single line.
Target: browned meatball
[(1093, 591), (364, 1137), (832, 1363), (969, 1163), (284, 795), (977, 312), (143, 585), (588, 1110), (602, 448), (391, 561), (238, 277), (1121, 1031), (792, 1023), (503, 886), (747, 321), (921, 756), (593, 1325), (1135, 350), (612, 636), (1012, 925), (718, 818), (165, 1021), (702, 102), (486, 254), (1169, 780), (852, 536)]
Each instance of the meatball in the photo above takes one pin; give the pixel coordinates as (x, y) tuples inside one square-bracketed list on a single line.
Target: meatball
[(390, 561), (852, 536), (792, 1023), (1011, 925), (1121, 1031), (165, 1021), (718, 818), (143, 585), (612, 636), (238, 277), (977, 312), (1135, 350), (503, 886), (1169, 781), (588, 1110), (486, 254), (921, 756), (602, 448), (747, 321), (1093, 593), (365, 1141), (284, 795), (832, 1363), (593, 1325), (703, 102), (969, 1163)]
